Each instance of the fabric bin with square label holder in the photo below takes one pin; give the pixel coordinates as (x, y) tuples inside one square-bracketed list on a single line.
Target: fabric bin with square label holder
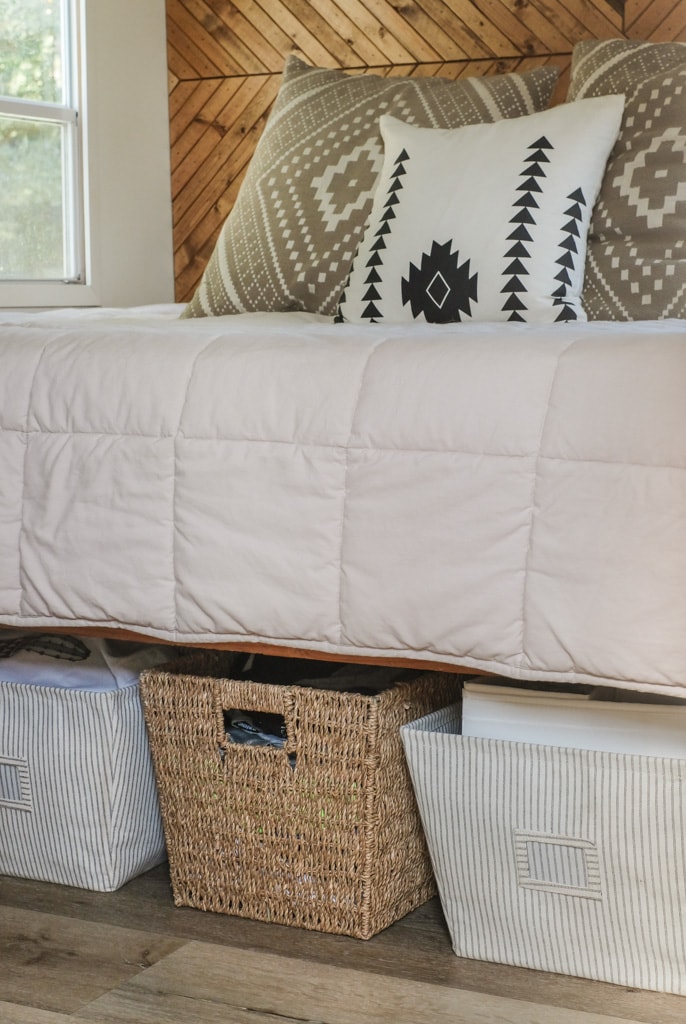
[(323, 833), (78, 802), (555, 858)]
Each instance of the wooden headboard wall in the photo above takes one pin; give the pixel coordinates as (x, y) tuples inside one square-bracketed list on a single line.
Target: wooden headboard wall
[(225, 60)]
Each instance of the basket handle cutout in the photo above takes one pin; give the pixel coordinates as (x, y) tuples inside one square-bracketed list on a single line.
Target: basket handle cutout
[(256, 729)]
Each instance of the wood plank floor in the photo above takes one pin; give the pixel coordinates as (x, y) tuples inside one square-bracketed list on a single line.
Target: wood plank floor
[(132, 957)]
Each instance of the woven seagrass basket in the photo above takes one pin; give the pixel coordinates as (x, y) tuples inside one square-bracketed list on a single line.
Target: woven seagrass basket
[(323, 833)]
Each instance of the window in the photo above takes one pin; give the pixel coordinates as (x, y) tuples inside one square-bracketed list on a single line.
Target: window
[(85, 213), (40, 155)]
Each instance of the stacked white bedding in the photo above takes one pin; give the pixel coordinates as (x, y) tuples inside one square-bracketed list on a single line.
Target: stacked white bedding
[(584, 720)]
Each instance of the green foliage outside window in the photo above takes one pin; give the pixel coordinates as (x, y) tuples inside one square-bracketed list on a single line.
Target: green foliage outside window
[(31, 218)]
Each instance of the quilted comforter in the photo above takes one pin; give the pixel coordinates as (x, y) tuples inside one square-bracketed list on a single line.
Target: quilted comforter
[(501, 497)]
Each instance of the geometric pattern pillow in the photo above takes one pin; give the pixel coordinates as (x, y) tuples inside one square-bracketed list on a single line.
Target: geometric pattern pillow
[(290, 238), (485, 222), (636, 257)]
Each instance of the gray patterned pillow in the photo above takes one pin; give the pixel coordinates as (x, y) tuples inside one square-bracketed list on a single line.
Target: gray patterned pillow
[(636, 253), (290, 238)]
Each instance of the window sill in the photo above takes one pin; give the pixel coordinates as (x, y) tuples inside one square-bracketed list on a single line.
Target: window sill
[(45, 294)]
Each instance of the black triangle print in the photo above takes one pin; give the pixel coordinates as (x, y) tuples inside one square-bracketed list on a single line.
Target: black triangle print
[(516, 267), (372, 295), (530, 185), (539, 157), (514, 316), (517, 250), (570, 233), (566, 260), (513, 285), (533, 171), (572, 228), (520, 234), (523, 217), (527, 200), (514, 302), (524, 206), (370, 311)]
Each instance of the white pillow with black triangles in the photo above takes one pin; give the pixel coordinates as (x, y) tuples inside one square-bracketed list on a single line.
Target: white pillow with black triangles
[(485, 222)]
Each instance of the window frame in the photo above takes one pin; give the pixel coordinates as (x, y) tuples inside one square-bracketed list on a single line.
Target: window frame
[(124, 169), (65, 117)]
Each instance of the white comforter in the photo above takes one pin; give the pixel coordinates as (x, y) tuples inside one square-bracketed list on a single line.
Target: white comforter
[(508, 498)]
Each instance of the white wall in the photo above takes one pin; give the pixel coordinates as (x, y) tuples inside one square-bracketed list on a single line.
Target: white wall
[(128, 173)]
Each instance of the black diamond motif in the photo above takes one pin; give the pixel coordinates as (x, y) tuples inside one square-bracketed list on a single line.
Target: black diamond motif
[(440, 288)]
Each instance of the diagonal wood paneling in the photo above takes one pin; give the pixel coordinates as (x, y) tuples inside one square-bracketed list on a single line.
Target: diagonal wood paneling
[(646, 19), (225, 60), (217, 37), (207, 172)]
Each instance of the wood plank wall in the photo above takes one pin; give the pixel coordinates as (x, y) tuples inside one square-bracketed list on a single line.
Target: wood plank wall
[(226, 56)]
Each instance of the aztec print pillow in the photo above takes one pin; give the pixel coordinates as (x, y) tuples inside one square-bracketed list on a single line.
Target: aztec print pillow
[(636, 256), (486, 222), (290, 238)]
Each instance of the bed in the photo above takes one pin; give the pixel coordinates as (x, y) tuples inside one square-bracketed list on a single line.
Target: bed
[(289, 462), (504, 498)]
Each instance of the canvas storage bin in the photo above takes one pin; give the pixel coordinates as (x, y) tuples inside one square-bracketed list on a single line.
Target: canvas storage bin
[(554, 858), (78, 803), (323, 833)]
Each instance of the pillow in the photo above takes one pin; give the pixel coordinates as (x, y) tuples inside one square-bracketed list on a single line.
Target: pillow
[(486, 222), (636, 257), (290, 238)]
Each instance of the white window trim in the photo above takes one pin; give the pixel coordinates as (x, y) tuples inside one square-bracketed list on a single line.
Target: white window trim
[(31, 108), (126, 174)]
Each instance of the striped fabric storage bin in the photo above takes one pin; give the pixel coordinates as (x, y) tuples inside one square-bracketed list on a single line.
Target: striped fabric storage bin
[(78, 803), (552, 858)]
